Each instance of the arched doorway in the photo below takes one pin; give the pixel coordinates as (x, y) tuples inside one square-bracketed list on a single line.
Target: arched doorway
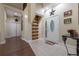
[(35, 27)]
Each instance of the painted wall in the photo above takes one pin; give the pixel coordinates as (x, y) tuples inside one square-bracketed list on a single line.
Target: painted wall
[(60, 9), (2, 24), (29, 14), (11, 27), (27, 22)]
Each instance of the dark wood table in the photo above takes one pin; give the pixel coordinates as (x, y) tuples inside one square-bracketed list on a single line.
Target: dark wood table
[(64, 37)]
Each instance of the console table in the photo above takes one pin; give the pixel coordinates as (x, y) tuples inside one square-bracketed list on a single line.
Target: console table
[(64, 37)]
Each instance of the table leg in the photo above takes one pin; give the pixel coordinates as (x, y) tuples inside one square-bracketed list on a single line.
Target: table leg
[(77, 47), (69, 54), (64, 39)]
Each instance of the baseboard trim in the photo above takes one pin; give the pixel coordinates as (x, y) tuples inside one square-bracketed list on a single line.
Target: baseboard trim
[(3, 42), (26, 40)]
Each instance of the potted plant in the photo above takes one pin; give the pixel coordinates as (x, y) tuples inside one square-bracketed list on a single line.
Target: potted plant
[(73, 33)]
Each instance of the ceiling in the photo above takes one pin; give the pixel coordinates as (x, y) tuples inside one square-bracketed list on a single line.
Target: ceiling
[(50, 4), (20, 5), (16, 5), (44, 7), (12, 13)]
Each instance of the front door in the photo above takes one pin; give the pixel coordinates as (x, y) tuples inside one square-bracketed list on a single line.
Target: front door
[(52, 28)]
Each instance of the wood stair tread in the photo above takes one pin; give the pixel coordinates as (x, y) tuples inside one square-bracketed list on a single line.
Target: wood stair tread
[(34, 25), (34, 37), (34, 34), (35, 28)]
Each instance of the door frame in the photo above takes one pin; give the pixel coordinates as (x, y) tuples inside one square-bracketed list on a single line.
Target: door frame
[(46, 29), (17, 10)]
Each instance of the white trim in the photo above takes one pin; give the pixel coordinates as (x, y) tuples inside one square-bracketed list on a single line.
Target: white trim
[(13, 8), (50, 16), (3, 42), (26, 40)]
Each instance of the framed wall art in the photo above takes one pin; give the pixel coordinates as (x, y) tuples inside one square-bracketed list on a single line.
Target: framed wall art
[(67, 13), (68, 21)]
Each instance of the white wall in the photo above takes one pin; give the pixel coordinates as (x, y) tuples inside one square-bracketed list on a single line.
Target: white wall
[(11, 28), (60, 9), (27, 32), (2, 24), (41, 29), (27, 21)]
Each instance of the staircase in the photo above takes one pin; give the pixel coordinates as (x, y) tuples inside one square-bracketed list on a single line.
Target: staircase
[(35, 29)]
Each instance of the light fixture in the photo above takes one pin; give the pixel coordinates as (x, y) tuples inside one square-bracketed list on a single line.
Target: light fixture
[(16, 18), (25, 16), (52, 12), (16, 14)]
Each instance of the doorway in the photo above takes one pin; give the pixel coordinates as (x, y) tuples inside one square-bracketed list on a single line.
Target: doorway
[(13, 24), (52, 28), (13, 28), (35, 27)]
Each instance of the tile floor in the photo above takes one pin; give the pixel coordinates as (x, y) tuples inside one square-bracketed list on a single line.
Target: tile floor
[(40, 48)]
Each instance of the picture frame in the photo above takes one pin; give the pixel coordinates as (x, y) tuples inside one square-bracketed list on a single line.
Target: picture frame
[(67, 13), (68, 21)]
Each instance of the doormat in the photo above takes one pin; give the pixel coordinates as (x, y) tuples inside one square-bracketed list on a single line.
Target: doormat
[(49, 42)]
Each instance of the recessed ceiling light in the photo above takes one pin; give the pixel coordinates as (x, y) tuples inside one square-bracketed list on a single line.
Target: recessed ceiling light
[(26, 16), (16, 14)]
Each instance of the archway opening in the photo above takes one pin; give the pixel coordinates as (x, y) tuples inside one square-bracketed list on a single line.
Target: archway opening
[(35, 27)]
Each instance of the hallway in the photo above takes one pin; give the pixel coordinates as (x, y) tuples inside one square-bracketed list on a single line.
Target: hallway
[(16, 47), (37, 23)]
